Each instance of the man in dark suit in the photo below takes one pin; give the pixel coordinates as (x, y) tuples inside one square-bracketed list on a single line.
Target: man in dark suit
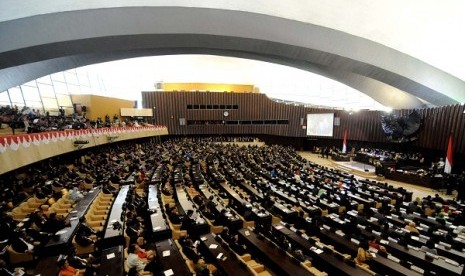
[(20, 244)]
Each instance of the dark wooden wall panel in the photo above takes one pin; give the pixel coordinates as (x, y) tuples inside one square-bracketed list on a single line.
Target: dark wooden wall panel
[(438, 122)]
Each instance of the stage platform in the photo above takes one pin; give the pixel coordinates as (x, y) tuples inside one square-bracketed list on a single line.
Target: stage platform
[(357, 168)]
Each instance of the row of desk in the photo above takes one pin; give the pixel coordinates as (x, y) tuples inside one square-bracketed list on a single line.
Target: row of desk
[(224, 259), (60, 242), (185, 203), (160, 230), (234, 222), (405, 253), (275, 260), (114, 236), (322, 259), (259, 215)]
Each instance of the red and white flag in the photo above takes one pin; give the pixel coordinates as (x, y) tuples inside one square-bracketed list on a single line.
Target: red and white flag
[(344, 142), (448, 165)]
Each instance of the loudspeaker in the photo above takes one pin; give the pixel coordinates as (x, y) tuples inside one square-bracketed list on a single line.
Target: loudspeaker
[(301, 121), (337, 121)]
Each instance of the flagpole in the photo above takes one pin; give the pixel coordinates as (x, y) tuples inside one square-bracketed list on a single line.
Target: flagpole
[(449, 155)]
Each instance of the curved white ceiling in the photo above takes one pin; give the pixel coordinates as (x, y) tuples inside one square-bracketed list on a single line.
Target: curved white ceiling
[(352, 42)]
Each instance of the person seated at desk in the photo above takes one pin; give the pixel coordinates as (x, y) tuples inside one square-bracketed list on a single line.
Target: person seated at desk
[(189, 249), (66, 269), (248, 214), (107, 188), (82, 238), (429, 247), (75, 194), (90, 264), (7, 226), (438, 199), (134, 228), (373, 242), (203, 269), (174, 216), (141, 265), (412, 228), (54, 224), (440, 218), (7, 270), (21, 243), (221, 219), (299, 255), (187, 222), (413, 207), (144, 252), (441, 164), (362, 253), (167, 190)]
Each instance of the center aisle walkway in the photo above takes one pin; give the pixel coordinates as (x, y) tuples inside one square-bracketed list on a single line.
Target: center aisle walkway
[(418, 191)]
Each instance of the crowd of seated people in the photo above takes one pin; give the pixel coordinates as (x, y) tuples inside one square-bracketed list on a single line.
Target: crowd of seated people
[(385, 155), (33, 120), (237, 165)]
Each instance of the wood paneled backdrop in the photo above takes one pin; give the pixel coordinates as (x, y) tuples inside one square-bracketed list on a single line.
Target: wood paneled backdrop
[(365, 126)]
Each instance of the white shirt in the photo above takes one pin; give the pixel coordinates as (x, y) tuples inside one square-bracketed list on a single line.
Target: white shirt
[(134, 261)]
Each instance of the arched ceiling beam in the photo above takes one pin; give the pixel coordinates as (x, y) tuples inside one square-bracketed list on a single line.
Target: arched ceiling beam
[(102, 33)]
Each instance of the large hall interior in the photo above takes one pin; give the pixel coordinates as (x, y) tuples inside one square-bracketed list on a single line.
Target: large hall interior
[(232, 138)]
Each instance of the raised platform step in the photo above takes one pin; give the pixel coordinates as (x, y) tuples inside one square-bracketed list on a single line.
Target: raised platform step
[(356, 169)]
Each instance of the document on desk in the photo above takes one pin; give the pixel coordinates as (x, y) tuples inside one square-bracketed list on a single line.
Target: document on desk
[(62, 231), (452, 262), (169, 272), (213, 246), (417, 269), (203, 238), (166, 253), (110, 256)]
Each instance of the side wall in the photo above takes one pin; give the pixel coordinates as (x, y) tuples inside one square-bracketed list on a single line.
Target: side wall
[(365, 126), (99, 106)]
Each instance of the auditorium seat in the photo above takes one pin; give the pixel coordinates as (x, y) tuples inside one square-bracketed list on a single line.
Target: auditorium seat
[(191, 267), (275, 220), (16, 257), (34, 202), (95, 217), (91, 218), (87, 186), (60, 211), (96, 225), (102, 214), (313, 270), (83, 249), (366, 268), (63, 203), (254, 267), (18, 214), (25, 208), (176, 231)]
